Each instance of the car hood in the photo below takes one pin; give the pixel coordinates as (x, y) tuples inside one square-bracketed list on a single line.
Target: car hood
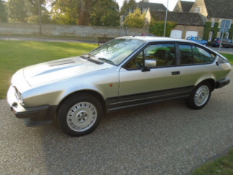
[(60, 69)]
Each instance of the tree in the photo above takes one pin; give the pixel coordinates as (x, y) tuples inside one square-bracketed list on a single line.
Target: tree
[(65, 11), (3, 13), (105, 12), (135, 19), (33, 13), (127, 5), (17, 11)]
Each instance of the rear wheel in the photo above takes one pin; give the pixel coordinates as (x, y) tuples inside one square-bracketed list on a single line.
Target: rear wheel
[(80, 114), (199, 96)]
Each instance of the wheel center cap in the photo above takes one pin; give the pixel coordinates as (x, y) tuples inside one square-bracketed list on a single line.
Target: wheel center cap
[(82, 116), (202, 95)]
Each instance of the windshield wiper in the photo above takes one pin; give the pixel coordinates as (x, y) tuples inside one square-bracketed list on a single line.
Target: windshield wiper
[(106, 60), (86, 55)]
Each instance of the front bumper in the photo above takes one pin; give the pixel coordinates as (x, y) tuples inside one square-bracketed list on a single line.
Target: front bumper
[(222, 83), (32, 116)]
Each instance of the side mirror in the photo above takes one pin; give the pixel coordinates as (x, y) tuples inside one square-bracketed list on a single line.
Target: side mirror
[(150, 63)]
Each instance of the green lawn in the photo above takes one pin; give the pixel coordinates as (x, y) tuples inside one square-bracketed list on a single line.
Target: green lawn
[(229, 57), (221, 166), (18, 54)]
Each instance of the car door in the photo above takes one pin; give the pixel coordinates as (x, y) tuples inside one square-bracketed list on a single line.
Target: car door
[(140, 85)]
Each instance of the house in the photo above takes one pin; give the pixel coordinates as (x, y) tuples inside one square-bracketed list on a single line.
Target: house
[(212, 12), (188, 24), (183, 6), (144, 5)]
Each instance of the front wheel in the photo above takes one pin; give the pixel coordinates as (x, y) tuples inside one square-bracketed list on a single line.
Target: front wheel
[(80, 114), (199, 96)]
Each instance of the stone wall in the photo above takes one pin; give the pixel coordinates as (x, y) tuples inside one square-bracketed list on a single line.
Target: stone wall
[(67, 30)]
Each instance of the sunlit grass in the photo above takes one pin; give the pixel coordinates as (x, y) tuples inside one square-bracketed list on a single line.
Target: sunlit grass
[(229, 57), (15, 55), (223, 166)]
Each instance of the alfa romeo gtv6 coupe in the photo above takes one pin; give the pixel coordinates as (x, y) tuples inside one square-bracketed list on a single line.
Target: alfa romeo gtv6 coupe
[(125, 72)]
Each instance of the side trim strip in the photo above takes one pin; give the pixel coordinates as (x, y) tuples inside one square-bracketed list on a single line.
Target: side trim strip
[(153, 97), (140, 104), (148, 97)]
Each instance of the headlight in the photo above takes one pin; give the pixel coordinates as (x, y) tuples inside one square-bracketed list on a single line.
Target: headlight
[(18, 95)]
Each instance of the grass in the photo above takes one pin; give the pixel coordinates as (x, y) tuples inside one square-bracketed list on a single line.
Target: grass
[(221, 166), (15, 55), (229, 57)]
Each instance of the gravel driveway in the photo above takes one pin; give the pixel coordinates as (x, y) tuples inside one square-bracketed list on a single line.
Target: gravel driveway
[(163, 138)]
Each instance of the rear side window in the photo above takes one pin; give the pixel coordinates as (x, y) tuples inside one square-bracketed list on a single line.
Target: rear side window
[(186, 54), (201, 56)]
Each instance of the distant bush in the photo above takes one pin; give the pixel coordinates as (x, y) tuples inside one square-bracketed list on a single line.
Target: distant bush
[(157, 27)]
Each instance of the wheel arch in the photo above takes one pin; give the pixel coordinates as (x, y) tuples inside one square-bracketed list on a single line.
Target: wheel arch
[(210, 81), (92, 92)]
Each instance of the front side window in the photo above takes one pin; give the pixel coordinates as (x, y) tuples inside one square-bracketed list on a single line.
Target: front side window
[(117, 50), (136, 62), (164, 54), (186, 54), (201, 56)]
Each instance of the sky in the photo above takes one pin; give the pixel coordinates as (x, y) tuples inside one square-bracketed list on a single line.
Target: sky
[(171, 4)]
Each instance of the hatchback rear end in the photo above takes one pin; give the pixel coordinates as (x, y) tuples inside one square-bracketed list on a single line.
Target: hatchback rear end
[(226, 43), (215, 42)]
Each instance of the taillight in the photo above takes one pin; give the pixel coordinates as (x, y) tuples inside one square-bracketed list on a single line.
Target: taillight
[(218, 41)]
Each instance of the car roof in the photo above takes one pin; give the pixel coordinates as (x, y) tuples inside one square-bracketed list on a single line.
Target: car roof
[(162, 39), (155, 39)]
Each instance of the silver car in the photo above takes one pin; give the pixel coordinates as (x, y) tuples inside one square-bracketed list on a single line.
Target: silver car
[(125, 72)]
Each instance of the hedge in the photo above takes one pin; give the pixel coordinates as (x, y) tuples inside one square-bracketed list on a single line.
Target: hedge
[(215, 30), (157, 28)]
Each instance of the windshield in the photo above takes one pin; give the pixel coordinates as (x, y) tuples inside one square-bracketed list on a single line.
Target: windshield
[(117, 50)]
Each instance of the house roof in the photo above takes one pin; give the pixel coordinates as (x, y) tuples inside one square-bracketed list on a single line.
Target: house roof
[(181, 18), (186, 5), (152, 6), (219, 8)]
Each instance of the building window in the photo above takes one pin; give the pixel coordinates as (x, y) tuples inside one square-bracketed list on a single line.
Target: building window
[(218, 34), (144, 10), (197, 9), (227, 35), (219, 23), (210, 36), (212, 22)]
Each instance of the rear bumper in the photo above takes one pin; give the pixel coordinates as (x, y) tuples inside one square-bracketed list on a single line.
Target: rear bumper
[(32, 116), (214, 44), (222, 83)]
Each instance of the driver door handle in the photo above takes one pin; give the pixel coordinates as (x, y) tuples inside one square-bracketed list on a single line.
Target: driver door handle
[(176, 73)]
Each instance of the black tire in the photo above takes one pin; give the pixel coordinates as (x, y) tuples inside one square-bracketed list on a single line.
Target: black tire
[(191, 103), (81, 99)]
